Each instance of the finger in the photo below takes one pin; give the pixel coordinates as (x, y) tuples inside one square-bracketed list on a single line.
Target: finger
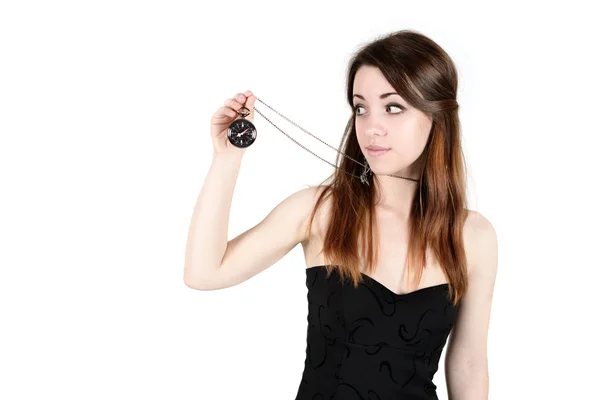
[(230, 112), (240, 98), (225, 112), (250, 102), (236, 105)]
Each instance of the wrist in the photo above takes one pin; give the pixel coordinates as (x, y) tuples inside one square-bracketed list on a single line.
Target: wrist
[(231, 158)]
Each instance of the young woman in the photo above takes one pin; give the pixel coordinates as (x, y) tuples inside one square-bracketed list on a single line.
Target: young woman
[(395, 261)]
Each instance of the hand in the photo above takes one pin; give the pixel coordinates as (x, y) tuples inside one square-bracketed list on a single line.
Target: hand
[(224, 116)]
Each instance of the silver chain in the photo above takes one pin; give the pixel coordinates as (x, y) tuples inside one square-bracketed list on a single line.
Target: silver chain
[(366, 167)]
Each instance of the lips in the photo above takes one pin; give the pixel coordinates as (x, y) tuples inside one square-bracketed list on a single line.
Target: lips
[(377, 148), (377, 153)]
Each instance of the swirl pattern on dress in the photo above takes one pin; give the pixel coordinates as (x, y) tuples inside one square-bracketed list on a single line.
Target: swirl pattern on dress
[(371, 343)]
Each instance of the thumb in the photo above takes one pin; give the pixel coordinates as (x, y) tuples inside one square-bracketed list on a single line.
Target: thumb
[(251, 99)]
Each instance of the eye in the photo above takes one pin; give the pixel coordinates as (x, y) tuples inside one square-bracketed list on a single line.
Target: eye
[(397, 106), (356, 107)]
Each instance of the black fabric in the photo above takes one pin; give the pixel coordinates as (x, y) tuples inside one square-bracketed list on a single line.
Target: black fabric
[(371, 343)]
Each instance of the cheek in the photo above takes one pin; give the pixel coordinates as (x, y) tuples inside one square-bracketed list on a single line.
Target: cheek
[(414, 132), (408, 143), (406, 135)]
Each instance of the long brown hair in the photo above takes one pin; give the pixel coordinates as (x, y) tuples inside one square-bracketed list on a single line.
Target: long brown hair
[(423, 73)]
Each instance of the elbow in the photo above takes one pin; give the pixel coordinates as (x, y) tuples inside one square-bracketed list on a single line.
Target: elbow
[(193, 281), (196, 284), (190, 283)]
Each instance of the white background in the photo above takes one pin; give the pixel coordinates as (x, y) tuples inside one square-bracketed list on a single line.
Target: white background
[(105, 144)]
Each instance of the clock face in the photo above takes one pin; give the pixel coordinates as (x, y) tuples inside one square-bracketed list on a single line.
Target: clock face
[(241, 133)]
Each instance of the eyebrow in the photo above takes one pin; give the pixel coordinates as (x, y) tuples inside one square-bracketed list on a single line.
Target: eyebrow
[(383, 96)]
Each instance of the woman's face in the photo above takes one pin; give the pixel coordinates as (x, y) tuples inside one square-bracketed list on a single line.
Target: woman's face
[(387, 122)]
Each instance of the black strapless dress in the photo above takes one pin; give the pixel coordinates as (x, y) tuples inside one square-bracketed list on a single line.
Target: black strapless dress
[(371, 343)]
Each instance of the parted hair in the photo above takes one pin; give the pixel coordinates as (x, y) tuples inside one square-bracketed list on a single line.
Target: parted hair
[(426, 77)]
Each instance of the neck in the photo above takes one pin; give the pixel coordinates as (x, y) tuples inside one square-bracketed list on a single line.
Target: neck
[(396, 195)]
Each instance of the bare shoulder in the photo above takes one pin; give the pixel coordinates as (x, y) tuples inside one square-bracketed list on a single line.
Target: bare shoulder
[(308, 199), (299, 206), (478, 223), (479, 237)]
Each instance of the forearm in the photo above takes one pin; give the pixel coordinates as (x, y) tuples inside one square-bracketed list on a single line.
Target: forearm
[(207, 236), (471, 383)]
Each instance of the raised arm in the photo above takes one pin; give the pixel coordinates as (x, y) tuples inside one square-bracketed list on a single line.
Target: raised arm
[(212, 262)]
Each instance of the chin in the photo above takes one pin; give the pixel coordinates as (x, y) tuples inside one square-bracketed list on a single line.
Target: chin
[(388, 168)]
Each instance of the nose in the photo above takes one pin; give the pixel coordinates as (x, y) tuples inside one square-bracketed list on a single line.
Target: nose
[(372, 127), (375, 131)]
